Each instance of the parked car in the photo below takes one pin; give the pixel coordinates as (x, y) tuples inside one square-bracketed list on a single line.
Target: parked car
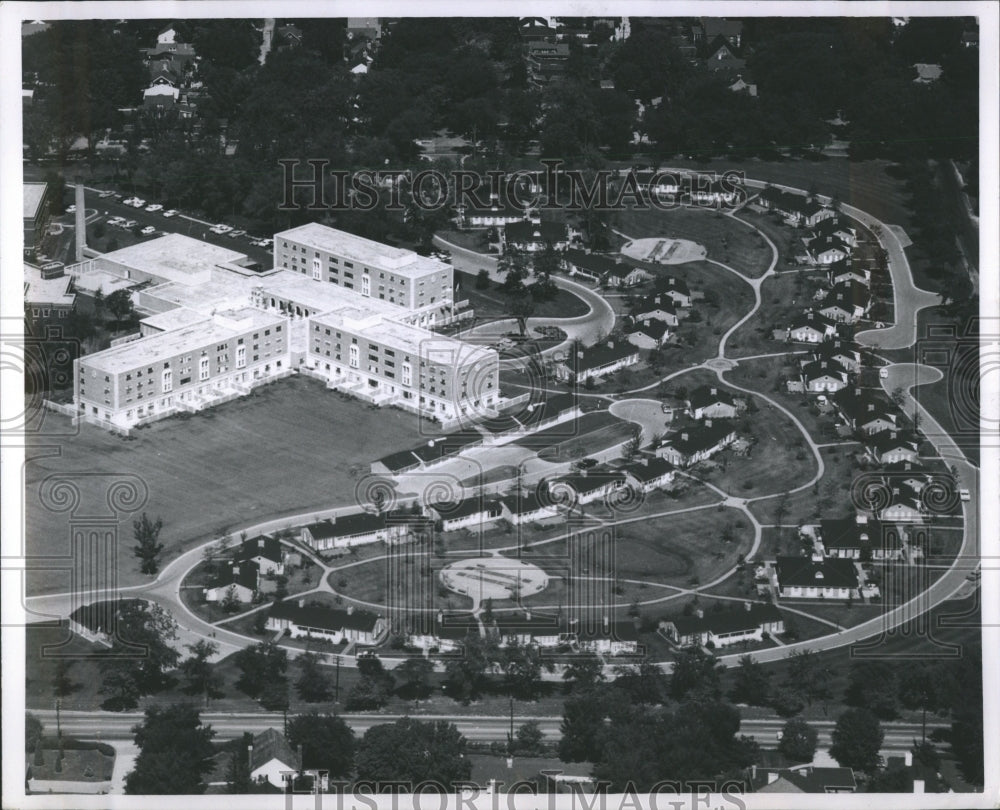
[(221, 229), (128, 224), (170, 212), (129, 201), (154, 208), (234, 234), (262, 243), (115, 222), (70, 209), (883, 373), (105, 194), (149, 230)]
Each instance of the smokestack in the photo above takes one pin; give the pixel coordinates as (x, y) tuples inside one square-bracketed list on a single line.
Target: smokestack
[(81, 221)]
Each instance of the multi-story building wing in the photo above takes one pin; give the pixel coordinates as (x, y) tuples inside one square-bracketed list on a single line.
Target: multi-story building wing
[(373, 270), (183, 369)]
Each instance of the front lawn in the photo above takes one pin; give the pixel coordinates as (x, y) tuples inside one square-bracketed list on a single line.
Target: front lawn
[(782, 297), (283, 450), (490, 303)]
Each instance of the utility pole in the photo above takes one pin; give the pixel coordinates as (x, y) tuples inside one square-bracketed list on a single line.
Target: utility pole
[(58, 719), (336, 688), (510, 734)]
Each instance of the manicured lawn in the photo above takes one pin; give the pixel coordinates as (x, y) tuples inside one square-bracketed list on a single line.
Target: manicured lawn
[(782, 297), (786, 239), (289, 448), (726, 240), (78, 765), (767, 375), (490, 303)]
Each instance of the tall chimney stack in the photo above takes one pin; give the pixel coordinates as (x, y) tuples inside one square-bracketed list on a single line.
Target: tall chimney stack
[(81, 221)]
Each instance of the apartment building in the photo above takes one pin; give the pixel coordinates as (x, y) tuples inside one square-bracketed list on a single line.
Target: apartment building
[(371, 269), (184, 369)]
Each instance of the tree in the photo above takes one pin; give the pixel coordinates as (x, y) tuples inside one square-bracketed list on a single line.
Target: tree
[(522, 666), (314, 684), (62, 684), (175, 752), (483, 279), (327, 742), (643, 683), (118, 680), (874, 685), (582, 730), (373, 689), (806, 677), (919, 689), (752, 683), (798, 740), (261, 666), (413, 751), (695, 672), (520, 305), (898, 396), (238, 779), (857, 738), (140, 655), (528, 738), (201, 675), (147, 549), (584, 672), (415, 676), (32, 732), (465, 676), (119, 304)]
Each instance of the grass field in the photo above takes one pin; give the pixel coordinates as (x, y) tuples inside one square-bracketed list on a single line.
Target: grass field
[(727, 241), (490, 303), (782, 297), (787, 240), (290, 447)]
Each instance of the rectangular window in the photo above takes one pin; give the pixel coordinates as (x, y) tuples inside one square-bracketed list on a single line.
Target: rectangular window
[(407, 374), (203, 368), (168, 381), (354, 357), (241, 356)]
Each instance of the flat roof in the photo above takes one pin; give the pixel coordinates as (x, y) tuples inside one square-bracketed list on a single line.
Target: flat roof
[(38, 290), (220, 289), (174, 257), (366, 251), (34, 193), (150, 349), (174, 319), (323, 296)]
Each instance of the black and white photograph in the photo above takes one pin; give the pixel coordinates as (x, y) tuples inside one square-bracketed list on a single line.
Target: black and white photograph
[(526, 405)]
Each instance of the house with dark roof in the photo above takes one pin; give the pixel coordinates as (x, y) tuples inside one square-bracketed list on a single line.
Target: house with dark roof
[(698, 442), (811, 327), (612, 638), (809, 578), (823, 376), (849, 270), (709, 28), (337, 625), (721, 57), (720, 629), (495, 214), (827, 249), (846, 302), (712, 402), (597, 361), (344, 531), (520, 508), (891, 446), (470, 512), (863, 411), (272, 758), (648, 472), (859, 538), (590, 485), (841, 352), (663, 184), (532, 237), (238, 581), (837, 226), (265, 551), (648, 333), (801, 779), (527, 629), (447, 635), (796, 208), (96, 621), (906, 504), (659, 306), (593, 266), (676, 289)]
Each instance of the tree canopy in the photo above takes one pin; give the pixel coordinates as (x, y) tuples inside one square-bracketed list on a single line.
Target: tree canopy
[(413, 751), (175, 752)]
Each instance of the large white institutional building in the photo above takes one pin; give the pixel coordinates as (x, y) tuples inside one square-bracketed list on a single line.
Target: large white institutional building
[(347, 309)]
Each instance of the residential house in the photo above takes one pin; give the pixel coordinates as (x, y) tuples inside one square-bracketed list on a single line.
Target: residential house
[(96, 622), (662, 184), (744, 83), (848, 270), (519, 508), (907, 506), (527, 630), (624, 276), (714, 193), (161, 96), (267, 553), (337, 625), (846, 302), (238, 581), (290, 34), (839, 351), (647, 334), (272, 759), (839, 227), (676, 289), (801, 779), (712, 402), (447, 635), (648, 472), (811, 327), (827, 249), (532, 237), (726, 627), (697, 442), (810, 578), (470, 512), (721, 57), (620, 638), (593, 266), (597, 361), (859, 538), (167, 35), (927, 73), (862, 411), (891, 446), (659, 306), (590, 485), (491, 216), (796, 208), (710, 28), (344, 531), (824, 376)]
